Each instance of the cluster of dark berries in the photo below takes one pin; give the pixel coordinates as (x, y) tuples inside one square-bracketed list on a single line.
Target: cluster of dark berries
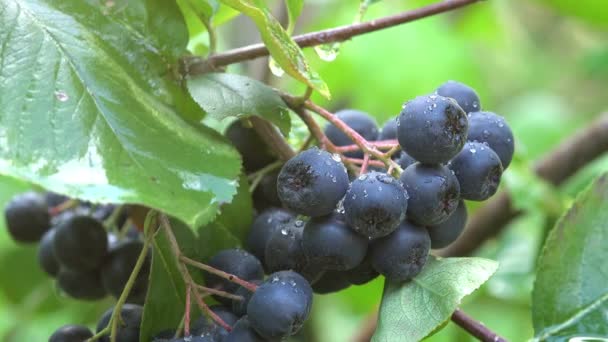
[(87, 261)]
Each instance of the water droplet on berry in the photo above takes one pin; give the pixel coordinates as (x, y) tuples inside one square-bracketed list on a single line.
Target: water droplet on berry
[(472, 150), (284, 231), (336, 157)]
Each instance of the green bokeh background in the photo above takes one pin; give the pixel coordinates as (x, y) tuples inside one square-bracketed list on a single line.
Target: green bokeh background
[(543, 64)]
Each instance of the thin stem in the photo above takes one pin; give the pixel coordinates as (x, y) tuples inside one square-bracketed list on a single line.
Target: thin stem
[(68, 204), (381, 145), (365, 164), (219, 293), (132, 278), (212, 35), (197, 66), (358, 161), (230, 277), (271, 136), (164, 221), (266, 169), (475, 328), (306, 143), (187, 311)]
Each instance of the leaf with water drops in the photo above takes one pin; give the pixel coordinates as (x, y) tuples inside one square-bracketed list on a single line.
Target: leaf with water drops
[(570, 297), (413, 310), (88, 107), (285, 52), (228, 95)]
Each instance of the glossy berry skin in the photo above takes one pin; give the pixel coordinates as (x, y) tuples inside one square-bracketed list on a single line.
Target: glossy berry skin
[(434, 193), (405, 160), (331, 244), (279, 306), (239, 307), (363, 273), (432, 129), (375, 204), (401, 255), (264, 225), (80, 243), (243, 332), (27, 217), (478, 170), (330, 282), (46, 255), (255, 153), (312, 183), (203, 326), (492, 129), (71, 333), (129, 332), (83, 285), (361, 122), (465, 96), (234, 261), (284, 250), (117, 269), (443, 234), (389, 130)]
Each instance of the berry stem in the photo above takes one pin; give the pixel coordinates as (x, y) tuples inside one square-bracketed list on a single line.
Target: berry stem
[(230, 277), (68, 204), (197, 65), (164, 221), (220, 293), (365, 164), (381, 145), (187, 311), (256, 177)]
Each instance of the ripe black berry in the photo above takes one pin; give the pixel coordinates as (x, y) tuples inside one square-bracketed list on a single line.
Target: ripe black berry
[(71, 333), (363, 273), (85, 285), (405, 160), (389, 130), (375, 204), (401, 255), (234, 261), (239, 307), (242, 332), (478, 170), (46, 256), (465, 96), (312, 183), (27, 217), (331, 244), (269, 221), (432, 129), (284, 250), (279, 306), (361, 122), (204, 326), (255, 153), (117, 269), (127, 332), (490, 128), (449, 230), (330, 282), (80, 243), (265, 194), (434, 193)]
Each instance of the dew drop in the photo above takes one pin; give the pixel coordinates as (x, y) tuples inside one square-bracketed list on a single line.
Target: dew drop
[(336, 157), (328, 52), (275, 68), (284, 231), (61, 96), (472, 150)]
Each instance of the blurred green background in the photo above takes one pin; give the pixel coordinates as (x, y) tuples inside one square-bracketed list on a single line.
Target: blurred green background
[(543, 64)]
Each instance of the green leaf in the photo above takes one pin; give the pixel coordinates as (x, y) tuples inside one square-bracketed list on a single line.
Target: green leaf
[(87, 107), (230, 95), (282, 48), (166, 297), (570, 296), (294, 8), (411, 311), (214, 237), (237, 215)]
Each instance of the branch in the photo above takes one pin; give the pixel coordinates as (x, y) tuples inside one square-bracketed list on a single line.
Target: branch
[(197, 65), (475, 328), (564, 161)]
